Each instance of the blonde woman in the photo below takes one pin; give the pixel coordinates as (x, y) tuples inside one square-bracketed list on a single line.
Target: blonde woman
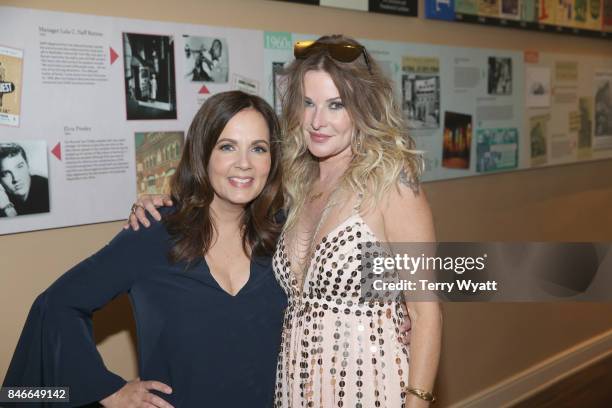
[(350, 177)]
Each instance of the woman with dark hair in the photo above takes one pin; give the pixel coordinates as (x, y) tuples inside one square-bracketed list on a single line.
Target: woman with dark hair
[(207, 307)]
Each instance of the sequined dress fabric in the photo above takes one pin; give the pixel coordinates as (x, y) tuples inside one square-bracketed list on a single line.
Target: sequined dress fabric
[(336, 351)]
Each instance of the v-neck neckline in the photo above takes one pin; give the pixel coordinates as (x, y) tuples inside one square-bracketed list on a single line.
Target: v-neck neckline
[(308, 264), (212, 276)]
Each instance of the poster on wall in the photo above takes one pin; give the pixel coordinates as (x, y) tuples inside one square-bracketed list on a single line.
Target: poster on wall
[(603, 110), (565, 89), (120, 94), (537, 92), (489, 8), (24, 184), (157, 157), (277, 86), (496, 149), (457, 142), (111, 100), (510, 9), (421, 92), (499, 76), (590, 18), (149, 76), (278, 53), (538, 138), (607, 15), (585, 129), (11, 62), (206, 59), (397, 7)]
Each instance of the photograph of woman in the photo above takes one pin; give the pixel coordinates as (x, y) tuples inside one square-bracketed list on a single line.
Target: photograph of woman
[(208, 331), (350, 176)]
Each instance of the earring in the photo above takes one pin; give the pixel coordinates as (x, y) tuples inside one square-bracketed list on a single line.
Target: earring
[(357, 143)]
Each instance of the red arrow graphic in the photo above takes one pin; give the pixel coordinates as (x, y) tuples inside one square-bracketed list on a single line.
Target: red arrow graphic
[(113, 55), (57, 151)]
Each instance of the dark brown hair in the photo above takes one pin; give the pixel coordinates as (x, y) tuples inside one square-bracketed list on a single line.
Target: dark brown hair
[(191, 225)]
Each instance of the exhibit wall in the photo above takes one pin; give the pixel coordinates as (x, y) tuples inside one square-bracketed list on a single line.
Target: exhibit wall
[(483, 345)]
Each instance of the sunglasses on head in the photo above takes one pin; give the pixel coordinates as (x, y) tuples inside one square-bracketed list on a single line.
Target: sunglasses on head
[(342, 52)]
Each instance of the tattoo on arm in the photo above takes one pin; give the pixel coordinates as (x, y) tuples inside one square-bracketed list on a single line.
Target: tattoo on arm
[(409, 182)]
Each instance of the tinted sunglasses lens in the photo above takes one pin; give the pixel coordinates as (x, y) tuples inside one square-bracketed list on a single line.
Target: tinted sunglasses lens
[(345, 53), (339, 52), (302, 48)]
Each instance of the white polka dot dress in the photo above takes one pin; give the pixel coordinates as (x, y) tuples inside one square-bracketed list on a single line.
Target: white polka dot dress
[(336, 352)]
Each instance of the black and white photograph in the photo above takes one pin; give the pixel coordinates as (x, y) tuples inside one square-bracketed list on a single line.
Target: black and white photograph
[(603, 106), (421, 100), (24, 183), (585, 107), (537, 87), (500, 76), (538, 138), (277, 69), (150, 87), (206, 59)]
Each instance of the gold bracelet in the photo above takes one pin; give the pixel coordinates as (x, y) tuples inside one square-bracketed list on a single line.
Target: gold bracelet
[(424, 395)]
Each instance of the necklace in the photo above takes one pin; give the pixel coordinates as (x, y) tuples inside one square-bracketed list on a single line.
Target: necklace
[(304, 262), (316, 196)]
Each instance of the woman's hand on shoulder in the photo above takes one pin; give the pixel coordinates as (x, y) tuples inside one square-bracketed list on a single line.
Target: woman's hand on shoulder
[(406, 214), (146, 203), (136, 394)]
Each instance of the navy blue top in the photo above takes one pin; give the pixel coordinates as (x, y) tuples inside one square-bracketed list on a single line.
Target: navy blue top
[(212, 348)]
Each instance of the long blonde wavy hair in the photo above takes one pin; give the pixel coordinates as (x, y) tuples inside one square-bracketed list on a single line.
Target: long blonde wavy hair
[(381, 146)]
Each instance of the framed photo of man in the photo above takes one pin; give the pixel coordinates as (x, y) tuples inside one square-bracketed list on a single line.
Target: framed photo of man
[(24, 182)]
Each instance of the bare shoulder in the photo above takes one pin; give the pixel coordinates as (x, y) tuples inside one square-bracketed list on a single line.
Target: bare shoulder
[(406, 213)]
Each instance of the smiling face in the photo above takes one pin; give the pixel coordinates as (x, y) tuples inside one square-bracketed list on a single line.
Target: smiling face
[(326, 124), (15, 176), (240, 160)]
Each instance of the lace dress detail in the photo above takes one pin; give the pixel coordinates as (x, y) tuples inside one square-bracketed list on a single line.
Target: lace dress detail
[(335, 351)]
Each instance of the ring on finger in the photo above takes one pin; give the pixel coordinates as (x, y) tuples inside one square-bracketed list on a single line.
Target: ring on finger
[(135, 206)]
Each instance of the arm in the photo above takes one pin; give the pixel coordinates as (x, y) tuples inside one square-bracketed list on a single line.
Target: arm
[(57, 348), (407, 218), (146, 203)]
